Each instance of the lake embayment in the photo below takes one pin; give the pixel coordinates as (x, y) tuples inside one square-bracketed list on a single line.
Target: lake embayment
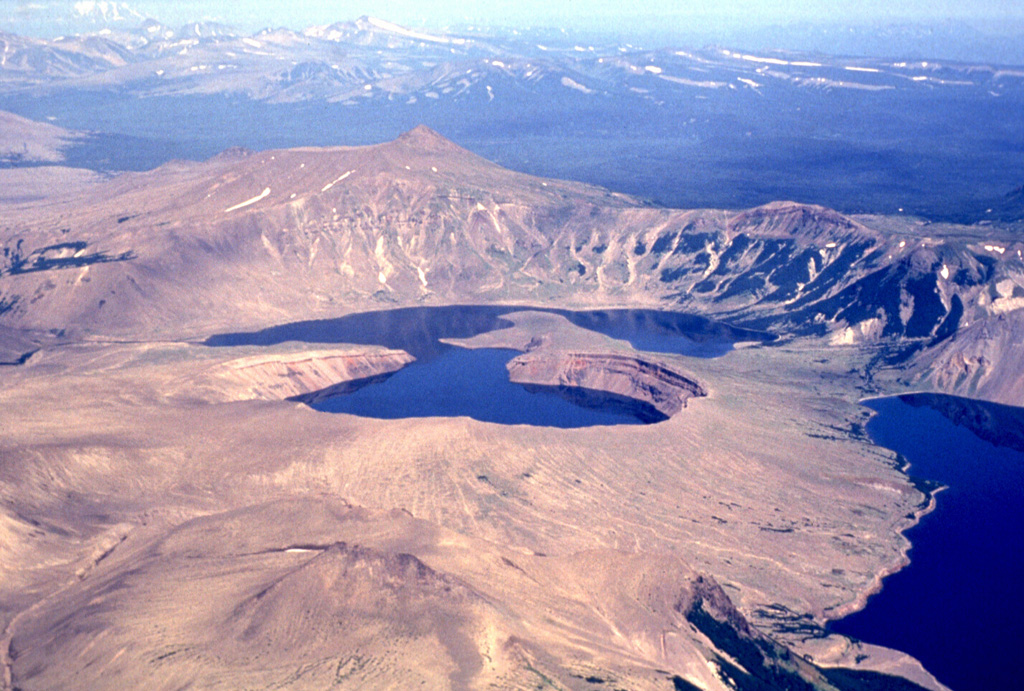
[(957, 606)]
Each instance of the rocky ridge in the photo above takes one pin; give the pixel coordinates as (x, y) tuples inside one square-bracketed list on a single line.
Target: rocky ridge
[(302, 233), (662, 388)]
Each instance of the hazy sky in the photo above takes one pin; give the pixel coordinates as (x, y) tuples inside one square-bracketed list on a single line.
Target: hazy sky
[(525, 12), (569, 13)]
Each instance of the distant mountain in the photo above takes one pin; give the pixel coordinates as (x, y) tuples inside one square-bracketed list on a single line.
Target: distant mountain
[(372, 58), (106, 13), (687, 127), (420, 219)]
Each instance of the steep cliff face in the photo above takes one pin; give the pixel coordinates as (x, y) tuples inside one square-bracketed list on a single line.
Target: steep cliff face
[(983, 360), (306, 376), (664, 390)]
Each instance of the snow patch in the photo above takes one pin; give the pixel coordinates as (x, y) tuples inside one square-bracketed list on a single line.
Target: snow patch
[(252, 42), (334, 182), (573, 84), (402, 31), (749, 82), (691, 82), (653, 69), (945, 272), (851, 68), (262, 195), (995, 248), (382, 277)]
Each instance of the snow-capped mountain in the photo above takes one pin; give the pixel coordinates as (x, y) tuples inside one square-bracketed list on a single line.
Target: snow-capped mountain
[(103, 12)]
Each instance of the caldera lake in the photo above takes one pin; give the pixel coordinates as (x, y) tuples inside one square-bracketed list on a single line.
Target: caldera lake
[(450, 381), (959, 606)]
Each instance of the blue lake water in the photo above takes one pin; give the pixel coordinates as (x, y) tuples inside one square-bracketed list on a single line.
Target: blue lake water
[(417, 330), (473, 383), (959, 606), (447, 381)]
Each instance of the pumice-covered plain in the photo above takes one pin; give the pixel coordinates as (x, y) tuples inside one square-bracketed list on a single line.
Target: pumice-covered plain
[(181, 506)]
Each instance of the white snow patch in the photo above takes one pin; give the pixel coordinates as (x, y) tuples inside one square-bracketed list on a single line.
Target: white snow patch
[(382, 277), (920, 78), (903, 243), (423, 276), (851, 68), (995, 248), (334, 182), (252, 42), (497, 63), (653, 69), (490, 94), (830, 245), (402, 31), (945, 272), (159, 73), (294, 195), (749, 82), (433, 168), (691, 82), (573, 84), (754, 58), (262, 195), (480, 207), (300, 550)]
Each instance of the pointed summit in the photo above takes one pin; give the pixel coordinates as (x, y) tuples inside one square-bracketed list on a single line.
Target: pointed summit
[(423, 138)]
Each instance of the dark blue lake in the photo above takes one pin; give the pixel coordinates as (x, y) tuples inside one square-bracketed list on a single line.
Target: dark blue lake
[(447, 381), (474, 383), (959, 606)]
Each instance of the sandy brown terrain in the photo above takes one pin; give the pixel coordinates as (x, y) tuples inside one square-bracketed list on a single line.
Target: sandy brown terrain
[(173, 514), (150, 533)]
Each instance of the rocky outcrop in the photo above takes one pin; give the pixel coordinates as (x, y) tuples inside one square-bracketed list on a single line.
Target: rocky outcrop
[(305, 376), (650, 383), (984, 360)]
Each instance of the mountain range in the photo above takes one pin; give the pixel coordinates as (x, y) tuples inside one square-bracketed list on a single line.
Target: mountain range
[(174, 506), (685, 127), (302, 232)]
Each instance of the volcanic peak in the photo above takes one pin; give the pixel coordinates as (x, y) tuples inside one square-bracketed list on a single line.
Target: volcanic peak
[(424, 139)]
